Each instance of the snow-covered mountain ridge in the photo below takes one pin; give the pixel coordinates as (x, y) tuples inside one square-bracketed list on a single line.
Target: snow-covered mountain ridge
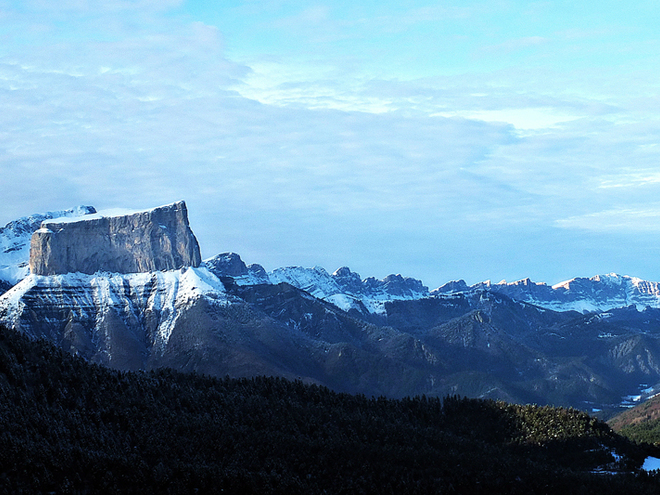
[(599, 293), (347, 290), (343, 288)]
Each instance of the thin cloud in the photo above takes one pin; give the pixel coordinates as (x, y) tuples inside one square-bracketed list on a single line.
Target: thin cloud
[(522, 119), (99, 6), (616, 220), (516, 44), (633, 179), (309, 16)]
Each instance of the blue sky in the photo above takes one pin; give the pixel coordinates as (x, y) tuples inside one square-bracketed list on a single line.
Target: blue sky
[(440, 140)]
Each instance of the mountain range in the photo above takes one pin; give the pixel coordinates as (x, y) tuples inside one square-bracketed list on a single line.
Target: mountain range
[(589, 343), (347, 290)]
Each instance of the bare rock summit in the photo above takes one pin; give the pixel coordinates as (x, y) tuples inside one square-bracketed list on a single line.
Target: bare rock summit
[(147, 241)]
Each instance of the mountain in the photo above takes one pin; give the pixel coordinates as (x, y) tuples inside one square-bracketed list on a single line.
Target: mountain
[(15, 243), (595, 294), (112, 319), (148, 241), (479, 345), (188, 320), (69, 426), (388, 337), (343, 288), (348, 291)]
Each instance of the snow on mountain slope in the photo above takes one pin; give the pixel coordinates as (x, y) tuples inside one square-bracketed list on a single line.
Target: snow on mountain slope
[(595, 294), (92, 308), (346, 290), (15, 241), (343, 288), (317, 281)]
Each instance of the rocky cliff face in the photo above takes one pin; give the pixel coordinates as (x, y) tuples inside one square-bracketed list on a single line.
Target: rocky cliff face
[(15, 243), (154, 240)]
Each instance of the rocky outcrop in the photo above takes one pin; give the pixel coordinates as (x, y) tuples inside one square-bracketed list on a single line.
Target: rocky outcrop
[(4, 287), (153, 240), (15, 243), (231, 265)]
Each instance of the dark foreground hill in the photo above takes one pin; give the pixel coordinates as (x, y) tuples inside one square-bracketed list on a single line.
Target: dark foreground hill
[(67, 426)]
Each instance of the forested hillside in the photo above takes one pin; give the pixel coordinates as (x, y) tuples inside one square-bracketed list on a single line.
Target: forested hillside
[(641, 423), (68, 426)]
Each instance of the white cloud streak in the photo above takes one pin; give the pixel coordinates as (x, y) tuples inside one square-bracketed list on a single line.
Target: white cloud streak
[(627, 220)]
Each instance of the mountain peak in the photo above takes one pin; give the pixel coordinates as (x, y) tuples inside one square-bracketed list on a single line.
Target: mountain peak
[(27, 225), (152, 240)]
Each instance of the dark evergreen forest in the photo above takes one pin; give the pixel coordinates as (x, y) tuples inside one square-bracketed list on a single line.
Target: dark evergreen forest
[(67, 426)]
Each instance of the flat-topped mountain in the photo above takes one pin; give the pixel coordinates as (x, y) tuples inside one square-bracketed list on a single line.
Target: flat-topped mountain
[(147, 241)]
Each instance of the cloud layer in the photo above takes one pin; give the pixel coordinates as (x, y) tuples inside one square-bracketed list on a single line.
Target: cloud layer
[(503, 173)]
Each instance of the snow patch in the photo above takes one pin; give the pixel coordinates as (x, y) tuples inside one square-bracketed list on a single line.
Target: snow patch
[(651, 464), (163, 294)]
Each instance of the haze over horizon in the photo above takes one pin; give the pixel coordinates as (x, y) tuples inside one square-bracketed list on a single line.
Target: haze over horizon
[(469, 140)]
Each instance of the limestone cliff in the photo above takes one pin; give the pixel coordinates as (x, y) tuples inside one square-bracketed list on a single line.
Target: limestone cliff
[(158, 239)]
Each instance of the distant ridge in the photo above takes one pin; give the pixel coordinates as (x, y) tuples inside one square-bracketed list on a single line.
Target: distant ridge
[(348, 291), (598, 293)]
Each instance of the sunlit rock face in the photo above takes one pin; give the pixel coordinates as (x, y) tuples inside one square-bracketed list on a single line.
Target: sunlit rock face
[(153, 240)]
